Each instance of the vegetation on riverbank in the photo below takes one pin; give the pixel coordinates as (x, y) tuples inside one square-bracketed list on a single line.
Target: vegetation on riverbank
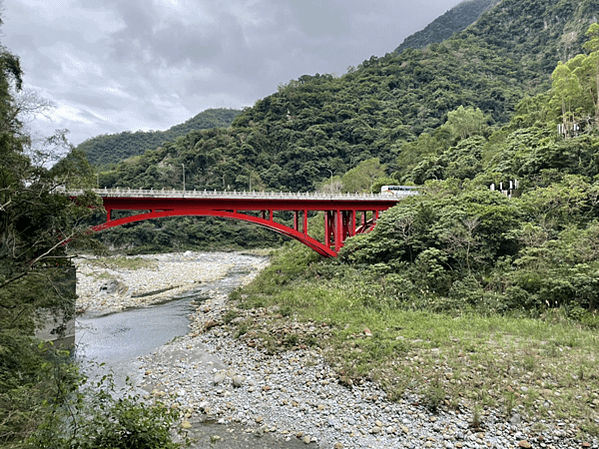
[(538, 363), (42, 400), (122, 262)]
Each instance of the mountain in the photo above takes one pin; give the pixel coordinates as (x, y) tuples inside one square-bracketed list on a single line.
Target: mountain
[(445, 26), (315, 125), (113, 148)]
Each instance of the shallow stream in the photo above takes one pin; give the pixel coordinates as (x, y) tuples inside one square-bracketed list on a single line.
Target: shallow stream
[(118, 339)]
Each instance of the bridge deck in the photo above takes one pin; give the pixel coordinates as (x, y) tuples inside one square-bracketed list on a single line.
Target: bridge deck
[(150, 193)]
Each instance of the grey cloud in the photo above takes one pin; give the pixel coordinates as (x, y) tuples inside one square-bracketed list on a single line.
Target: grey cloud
[(118, 65)]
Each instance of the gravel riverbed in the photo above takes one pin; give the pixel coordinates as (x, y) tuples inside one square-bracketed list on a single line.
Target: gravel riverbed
[(294, 395)]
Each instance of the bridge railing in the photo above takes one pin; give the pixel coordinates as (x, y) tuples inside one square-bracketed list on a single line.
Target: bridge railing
[(233, 194)]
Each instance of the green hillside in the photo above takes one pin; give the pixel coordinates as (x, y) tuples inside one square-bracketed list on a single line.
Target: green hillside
[(387, 119), (291, 139), (445, 26), (481, 293), (113, 148)]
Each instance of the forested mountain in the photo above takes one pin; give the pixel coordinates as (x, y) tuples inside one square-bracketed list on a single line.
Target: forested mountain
[(396, 118), (291, 139), (113, 148), (445, 26)]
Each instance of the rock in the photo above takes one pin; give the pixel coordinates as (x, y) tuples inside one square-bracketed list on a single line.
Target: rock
[(112, 286), (525, 444), (338, 446), (515, 419), (238, 381), (218, 378), (186, 424), (367, 332), (210, 324), (307, 440), (203, 405)]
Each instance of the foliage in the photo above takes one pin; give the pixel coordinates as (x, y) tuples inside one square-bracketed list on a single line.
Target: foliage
[(97, 416), (110, 149), (576, 89), (435, 347), (38, 223), (443, 27), (363, 177), (447, 233)]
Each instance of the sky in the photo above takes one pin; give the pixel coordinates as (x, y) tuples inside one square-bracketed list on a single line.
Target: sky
[(108, 66)]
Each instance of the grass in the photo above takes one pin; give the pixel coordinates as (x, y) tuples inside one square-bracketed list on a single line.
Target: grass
[(545, 368)]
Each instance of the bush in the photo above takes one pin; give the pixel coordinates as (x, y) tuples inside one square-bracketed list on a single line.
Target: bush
[(97, 417)]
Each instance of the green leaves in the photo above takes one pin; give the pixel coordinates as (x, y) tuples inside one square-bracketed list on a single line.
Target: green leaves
[(100, 417)]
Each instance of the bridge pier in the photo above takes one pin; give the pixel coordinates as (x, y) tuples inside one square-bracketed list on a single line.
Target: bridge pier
[(296, 221)]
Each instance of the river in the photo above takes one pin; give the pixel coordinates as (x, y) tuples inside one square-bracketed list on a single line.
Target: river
[(117, 339)]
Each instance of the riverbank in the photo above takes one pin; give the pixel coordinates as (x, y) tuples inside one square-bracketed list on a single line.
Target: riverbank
[(295, 396), (285, 391), (112, 284)]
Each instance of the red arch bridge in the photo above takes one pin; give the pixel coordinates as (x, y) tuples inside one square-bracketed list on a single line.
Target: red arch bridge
[(345, 214)]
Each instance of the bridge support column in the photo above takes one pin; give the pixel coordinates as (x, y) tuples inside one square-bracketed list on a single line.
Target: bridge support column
[(305, 230), (296, 221), (329, 227), (339, 224), (266, 215), (339, 229), (349, 224)]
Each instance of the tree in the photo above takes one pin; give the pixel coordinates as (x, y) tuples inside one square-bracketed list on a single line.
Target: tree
[(576, 87), (466, 122), (362, 177), (593, 60)]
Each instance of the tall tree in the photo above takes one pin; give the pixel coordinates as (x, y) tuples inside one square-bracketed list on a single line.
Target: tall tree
[(36, 223)]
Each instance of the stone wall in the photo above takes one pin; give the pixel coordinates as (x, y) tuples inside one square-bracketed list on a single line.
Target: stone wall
[(52, 325)]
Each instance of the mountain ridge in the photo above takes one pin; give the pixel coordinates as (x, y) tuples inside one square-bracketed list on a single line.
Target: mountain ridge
[(295, 137), (104, 149), (454, 20)]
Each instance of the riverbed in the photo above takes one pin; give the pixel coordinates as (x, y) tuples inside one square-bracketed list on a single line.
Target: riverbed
[(128, 313), (232, 395), (131, 306)]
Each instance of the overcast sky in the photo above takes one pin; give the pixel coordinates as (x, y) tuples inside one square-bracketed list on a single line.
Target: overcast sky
[(126, 65)]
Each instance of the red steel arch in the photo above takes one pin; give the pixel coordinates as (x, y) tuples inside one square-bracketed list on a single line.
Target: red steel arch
[(345, 215), (282, 229)]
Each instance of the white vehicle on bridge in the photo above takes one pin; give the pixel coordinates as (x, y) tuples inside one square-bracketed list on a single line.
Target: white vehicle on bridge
[(399, 190)]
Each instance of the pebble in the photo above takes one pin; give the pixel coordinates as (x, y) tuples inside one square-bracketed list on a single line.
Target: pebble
[(296, 393)]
